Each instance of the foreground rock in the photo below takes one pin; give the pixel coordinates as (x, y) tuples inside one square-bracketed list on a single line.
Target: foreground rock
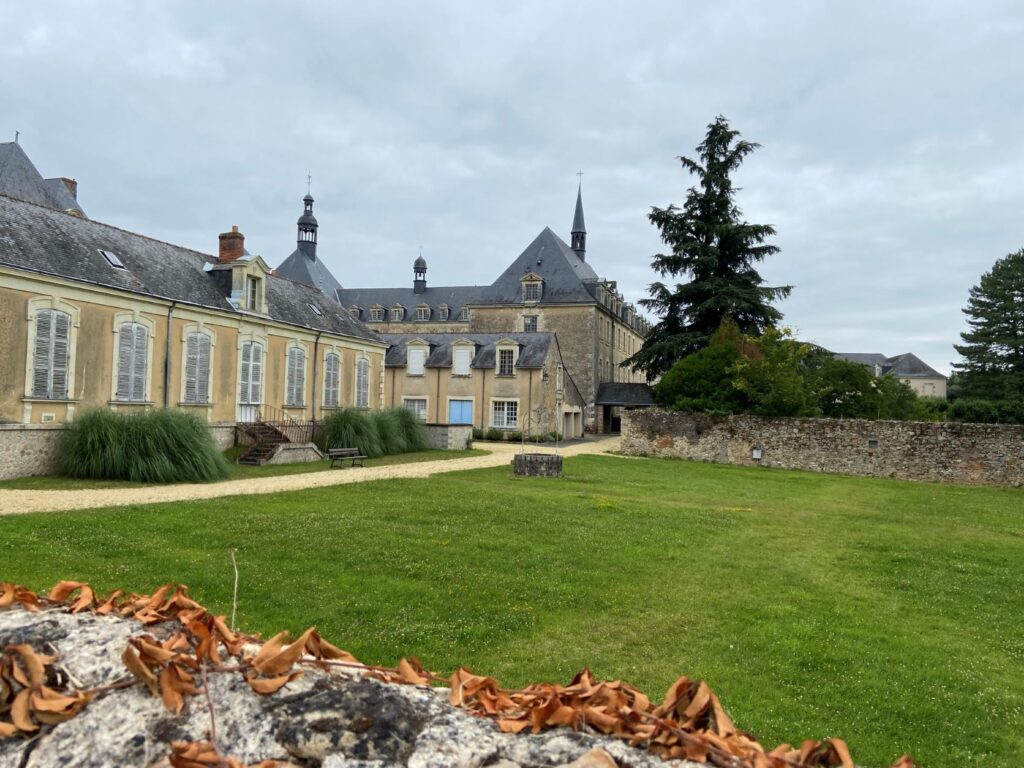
[(337, 720)]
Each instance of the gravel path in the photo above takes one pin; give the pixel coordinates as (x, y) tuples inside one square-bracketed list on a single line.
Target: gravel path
[(20, 502)]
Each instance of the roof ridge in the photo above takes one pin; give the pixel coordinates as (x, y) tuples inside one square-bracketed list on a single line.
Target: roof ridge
[(211, 257)]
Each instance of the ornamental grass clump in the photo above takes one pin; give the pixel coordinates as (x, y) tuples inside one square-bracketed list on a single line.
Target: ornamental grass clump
[(413, 429), (155, 446), (351, 428), (390, 430)]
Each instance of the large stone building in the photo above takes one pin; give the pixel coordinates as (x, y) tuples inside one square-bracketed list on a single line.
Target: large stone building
[(550, 288), (94, 316), (908, 368)]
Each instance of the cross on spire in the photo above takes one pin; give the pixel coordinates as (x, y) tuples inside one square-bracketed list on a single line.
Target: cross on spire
[(309, 182), (580, 174)]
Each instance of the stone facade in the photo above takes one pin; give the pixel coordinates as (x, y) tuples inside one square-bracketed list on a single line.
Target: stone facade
[(956, 453), (537, 464)]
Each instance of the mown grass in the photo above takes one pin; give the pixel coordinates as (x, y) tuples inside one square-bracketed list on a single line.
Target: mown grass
[(235, 471), (887, 613)]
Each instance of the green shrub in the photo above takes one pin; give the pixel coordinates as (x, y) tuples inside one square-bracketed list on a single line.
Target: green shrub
[(390, 431), (478, 434), (495, 434), (514, 437), (351, 428), (156, 446), (413, 429)]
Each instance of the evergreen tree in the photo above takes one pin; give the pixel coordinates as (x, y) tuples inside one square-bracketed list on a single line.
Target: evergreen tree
[(713, 247), (993, 350)]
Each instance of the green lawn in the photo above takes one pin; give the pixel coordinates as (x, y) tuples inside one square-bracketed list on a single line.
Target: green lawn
[(238, 471), (887, 613)]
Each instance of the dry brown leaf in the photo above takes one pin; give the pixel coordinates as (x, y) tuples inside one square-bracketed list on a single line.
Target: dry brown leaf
[(21, 714), (280, 662), (141, 671), (268, 685)]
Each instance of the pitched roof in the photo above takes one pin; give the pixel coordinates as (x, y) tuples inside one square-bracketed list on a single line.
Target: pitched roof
[(567, 278), (533, 348), (864, 358), (40, 239), (623, 393), (911, 366), (453, 296), (313, 272), (578, 224), (20, 179)]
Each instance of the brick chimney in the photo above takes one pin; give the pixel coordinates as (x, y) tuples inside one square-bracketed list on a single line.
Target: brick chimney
[(72, 186), (232, 245)]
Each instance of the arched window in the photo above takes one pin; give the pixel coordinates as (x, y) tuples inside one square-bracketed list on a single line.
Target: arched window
[(51, 354), (251, 374), (295, 379), (332, 377), (363, 383), (132, 352), (197, 367)]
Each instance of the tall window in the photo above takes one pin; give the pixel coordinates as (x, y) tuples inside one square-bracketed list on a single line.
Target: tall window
[(377, 315), (397, 313), (295, 380), (504, 414), (363, 383), (505, 360), (422, 313), (252, 293), (442, 312), (462, 358), (417, 358), (197, 368), (332, 377), (132, 348), (251, 375), (417, 405), (51, 354), (530, 324), (464, 314)]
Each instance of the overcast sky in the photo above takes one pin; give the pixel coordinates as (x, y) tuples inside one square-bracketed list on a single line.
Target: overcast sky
[(892, 158)]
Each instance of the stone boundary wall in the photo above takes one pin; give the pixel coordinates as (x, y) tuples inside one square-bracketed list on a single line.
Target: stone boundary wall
[(449, 437), (984, 454), (32, 449)]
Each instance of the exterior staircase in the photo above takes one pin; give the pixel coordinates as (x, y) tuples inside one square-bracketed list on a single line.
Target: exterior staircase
[(269, 430)]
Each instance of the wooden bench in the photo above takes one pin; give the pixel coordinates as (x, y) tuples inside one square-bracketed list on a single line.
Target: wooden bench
[(344, 454)]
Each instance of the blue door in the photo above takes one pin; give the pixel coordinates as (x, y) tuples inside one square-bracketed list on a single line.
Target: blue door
[(460, 411)]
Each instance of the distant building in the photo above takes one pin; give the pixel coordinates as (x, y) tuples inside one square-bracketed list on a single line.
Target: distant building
[(549, 288), (908, 368)]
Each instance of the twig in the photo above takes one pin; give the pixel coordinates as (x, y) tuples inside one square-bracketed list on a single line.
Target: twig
[(213, 717), (234, 593)]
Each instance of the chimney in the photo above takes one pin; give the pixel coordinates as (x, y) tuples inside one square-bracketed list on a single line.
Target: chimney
[(232, 245), (72, 186)]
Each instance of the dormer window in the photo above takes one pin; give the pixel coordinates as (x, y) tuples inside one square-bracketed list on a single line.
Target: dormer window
[(252, 293), (416, 359), (397, 313), (464, 314), (531, 290), (355, 312), (442, 312), (422, 313), (377, 314)]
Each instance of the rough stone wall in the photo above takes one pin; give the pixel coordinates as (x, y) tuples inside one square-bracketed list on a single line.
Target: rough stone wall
[(449, 437), (295, 453), (958, 453), (33, 449)]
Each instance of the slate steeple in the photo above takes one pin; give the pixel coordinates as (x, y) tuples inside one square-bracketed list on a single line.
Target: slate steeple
[(307, 228), (419, 274), (579, 228)]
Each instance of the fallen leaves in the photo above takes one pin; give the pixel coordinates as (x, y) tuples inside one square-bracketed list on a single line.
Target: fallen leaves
[(25, 696), (203, 754)]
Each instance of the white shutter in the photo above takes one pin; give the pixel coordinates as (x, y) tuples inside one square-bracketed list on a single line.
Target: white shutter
[(61, 353), (192, 368), (140, 345), (331, 379), (244, 375), (300, 376), (203, 369), (43, 353), (363, 383), (124, 362), (256, 373)]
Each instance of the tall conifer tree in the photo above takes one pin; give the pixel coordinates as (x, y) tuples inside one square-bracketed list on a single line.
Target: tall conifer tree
[(993, 350), (713, 247)]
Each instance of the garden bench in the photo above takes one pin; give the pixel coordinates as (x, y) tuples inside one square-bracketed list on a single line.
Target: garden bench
[(344, 454)]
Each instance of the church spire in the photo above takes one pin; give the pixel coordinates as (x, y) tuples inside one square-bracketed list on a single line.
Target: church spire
[(579, 228), (307, 228)]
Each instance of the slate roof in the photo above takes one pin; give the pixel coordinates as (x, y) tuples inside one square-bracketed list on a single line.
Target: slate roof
[(533, 348), (313, 272), (20, 179), (626, 394), (578, 224), (40, 239), (567, 278), (456, 297), (907, 365)]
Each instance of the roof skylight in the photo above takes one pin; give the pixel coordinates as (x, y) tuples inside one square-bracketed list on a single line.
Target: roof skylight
[(315, 309), (112, 259)]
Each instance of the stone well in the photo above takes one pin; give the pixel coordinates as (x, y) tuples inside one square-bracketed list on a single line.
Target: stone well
[(537, 464)]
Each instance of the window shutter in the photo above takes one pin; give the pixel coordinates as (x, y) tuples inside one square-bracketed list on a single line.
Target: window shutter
[(192, 368), (141, 342), (203, 368), (300, 376), (256, 374), (124, 361), (363, 384), (331, 381), (42, 354), (61, 353), (245, 374)]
